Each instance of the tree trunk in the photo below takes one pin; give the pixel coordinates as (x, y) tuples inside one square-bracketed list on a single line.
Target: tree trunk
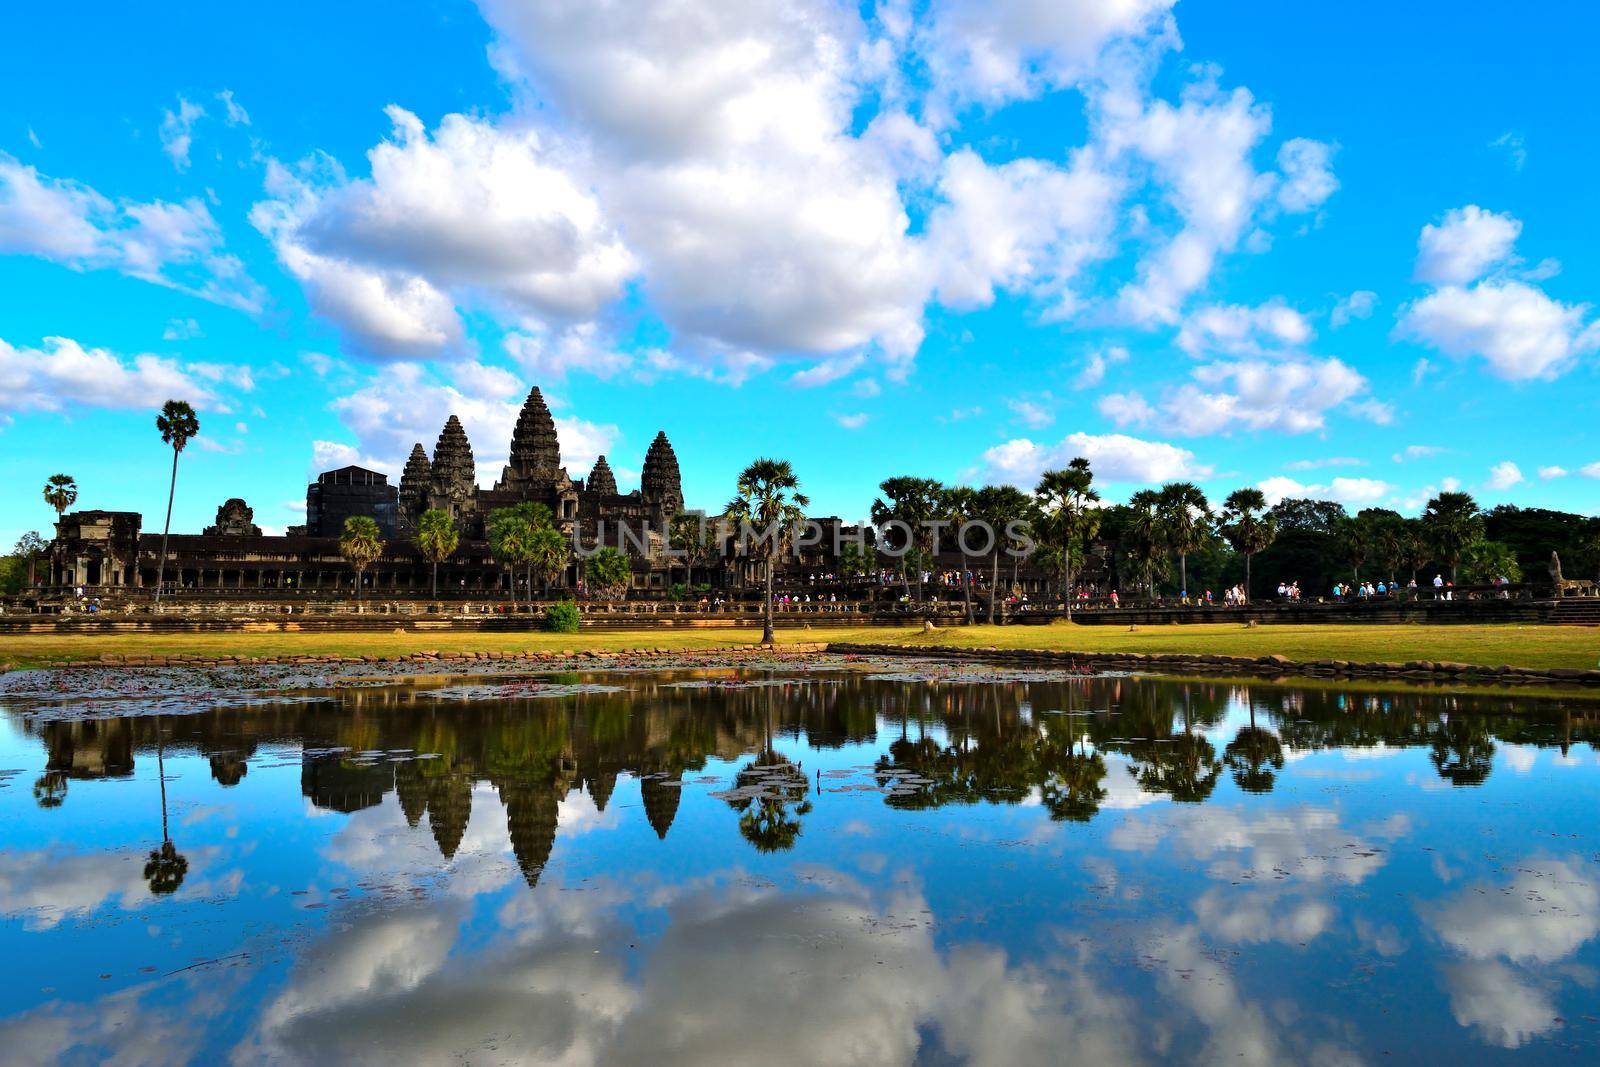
[(966, 589), (1183, 573), (1066, 574), (1247, 557), (161, 567), (767, 636), (436, 579), (994, 585)]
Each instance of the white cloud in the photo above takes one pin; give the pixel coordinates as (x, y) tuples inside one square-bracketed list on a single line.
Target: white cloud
[(825, 371), (547, 356), (473, 213), (1308, 179), (181, 330), (1358, 305), (1291, 396), (62, 374), (1318, 464), (1548, 473), (1414, 452), (1126, 409), (1504, 475), (1547, 910), (1094, 368), (177, 245), (1465, 245), (1498, 1003), (1349, 491), (233, 112), (1114, 458), (851, 422), (724, 145), (1032, 413), (990, 53), (1591, 470), (1023, 225), (177, 131), (1516, 328), (1237, 330)]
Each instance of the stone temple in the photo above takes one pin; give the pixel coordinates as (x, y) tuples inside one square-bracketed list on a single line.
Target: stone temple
[(108, 551)]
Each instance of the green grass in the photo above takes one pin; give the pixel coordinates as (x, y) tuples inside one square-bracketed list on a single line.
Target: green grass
[(1520, 646)]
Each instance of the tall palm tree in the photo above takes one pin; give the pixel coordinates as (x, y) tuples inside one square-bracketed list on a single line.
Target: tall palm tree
[(914, 502), (1186, 515), (437, 539), (60, 492), (178, 424), (1248, 526), (510, 538), (360, 544), (1146, 535), (1067, 499), (1453, 525), (769, 501), (1004, 508), (548, 552), (959, 506)]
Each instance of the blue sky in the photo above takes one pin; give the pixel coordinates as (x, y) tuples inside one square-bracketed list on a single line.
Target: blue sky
[(1340, 252)]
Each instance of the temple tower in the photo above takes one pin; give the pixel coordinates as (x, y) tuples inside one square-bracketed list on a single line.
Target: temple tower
[(660, 481), (601, 480), (454, 474), (416, 481), (535, 460)]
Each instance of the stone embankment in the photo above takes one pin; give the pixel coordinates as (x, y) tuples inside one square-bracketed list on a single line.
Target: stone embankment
[(599, 657), (1438, 671)]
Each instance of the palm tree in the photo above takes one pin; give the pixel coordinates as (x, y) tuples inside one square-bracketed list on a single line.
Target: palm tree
[(959, 506), (437, 539), (547, 555), (1186, 516), (1068, 500), (770, 502), (1004, 508), (1357, 537), (165, 867), (915, 503), (510, 543), (1147, 535), (1248, 526), (609, 572), (1453, 525), (178, 424), (690, 534), (1415, 552), (360, 544), (60, 492), (1255, 755)]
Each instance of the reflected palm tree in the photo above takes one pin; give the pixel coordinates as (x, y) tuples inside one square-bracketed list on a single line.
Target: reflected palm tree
[(165, 868), (1463, 752), (766, 819), (50, 789), (1255, 756), (1183, 765)]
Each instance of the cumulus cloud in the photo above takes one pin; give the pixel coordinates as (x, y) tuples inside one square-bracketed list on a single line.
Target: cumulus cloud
[(1504, 475), (472, 212), (1289, 396), (1551, 472), (1308, 179), (549, 355), (62, 374), (1465, 245), (1035, 414), (177, 131), (1114, 457), (176, 245), (1360, 492), (1358, 305), (1237, 330), (1518, 330), (1096, 365)]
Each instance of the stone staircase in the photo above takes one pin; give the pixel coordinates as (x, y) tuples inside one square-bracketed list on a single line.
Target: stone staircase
[(1575, 611)]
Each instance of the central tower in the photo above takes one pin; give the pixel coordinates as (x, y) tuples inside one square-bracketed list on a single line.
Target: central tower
[(534, 465)]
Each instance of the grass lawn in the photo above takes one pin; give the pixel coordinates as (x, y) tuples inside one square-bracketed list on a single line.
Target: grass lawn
[(1521, 646)]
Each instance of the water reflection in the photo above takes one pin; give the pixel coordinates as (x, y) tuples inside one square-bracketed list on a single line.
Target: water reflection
[(883, 871)]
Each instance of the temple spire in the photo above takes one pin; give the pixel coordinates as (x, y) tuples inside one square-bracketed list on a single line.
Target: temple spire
[(535, 458), (601, 480), (454, 472), (660, 480)]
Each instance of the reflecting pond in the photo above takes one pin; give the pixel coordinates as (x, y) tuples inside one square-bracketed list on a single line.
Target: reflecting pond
[(842, 864)]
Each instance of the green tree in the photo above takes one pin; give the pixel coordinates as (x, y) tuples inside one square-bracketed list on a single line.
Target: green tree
[(1487, 561), (1006, 509), (60, 492), (855, 562), (1147, 536), (1357, 537), (696, 538), (360, 544), (437, 539), (178, 425), (914, 502), (959, 506), (1248, 526), (30, 546), (165, 868), (1415, 550), (609, 573), (1186, 520), (1069, 503), (769, 502), (550, 552), (1386, 532), (510, 536), (1453, 524)]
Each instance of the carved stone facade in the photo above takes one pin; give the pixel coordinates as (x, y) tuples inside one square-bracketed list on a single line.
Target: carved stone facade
[(601, 481), (660, 482), (235, 518)]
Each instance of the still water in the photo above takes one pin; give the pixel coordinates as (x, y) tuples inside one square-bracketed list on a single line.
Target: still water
[(855, 864)]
